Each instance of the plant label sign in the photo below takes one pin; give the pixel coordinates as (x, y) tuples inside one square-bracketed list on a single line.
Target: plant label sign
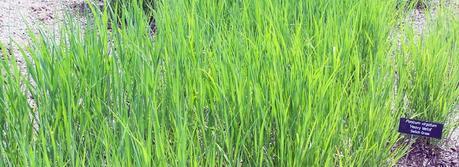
[(421, 128)]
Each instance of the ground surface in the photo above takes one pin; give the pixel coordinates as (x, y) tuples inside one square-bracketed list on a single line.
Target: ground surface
[(17, 15)]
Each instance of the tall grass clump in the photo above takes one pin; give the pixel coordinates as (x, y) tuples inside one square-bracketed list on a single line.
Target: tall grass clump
[(429, 70), (221, 83), (316, 72)]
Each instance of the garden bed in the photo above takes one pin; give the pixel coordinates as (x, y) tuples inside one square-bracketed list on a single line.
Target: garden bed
[(227, 83)]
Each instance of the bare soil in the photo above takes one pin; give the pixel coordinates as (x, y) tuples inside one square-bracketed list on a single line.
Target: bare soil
[(17, 16)]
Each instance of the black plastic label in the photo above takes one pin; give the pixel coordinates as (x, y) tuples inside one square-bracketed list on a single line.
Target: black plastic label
[(421, 128)]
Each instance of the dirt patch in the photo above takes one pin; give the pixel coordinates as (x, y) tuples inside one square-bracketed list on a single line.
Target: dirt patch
[(17, 16), (423, 153)]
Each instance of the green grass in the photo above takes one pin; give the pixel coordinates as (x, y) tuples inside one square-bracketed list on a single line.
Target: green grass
[(233, 83)]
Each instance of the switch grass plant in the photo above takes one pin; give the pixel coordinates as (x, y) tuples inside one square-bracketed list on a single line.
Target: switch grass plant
[(236, 83), (429, 69)]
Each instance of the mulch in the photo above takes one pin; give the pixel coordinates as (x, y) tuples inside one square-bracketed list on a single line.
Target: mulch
[(424, 153)]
